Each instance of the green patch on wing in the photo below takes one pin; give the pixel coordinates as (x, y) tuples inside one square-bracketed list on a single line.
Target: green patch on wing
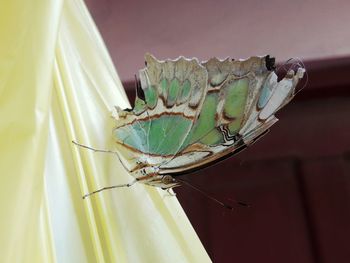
[(139, 107), (204, 130), (174, 90), (164, 87), (235, 101), (151, 96), (160, 136), (186, 88)]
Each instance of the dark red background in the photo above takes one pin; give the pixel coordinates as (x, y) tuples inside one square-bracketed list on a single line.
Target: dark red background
[(297, 177)]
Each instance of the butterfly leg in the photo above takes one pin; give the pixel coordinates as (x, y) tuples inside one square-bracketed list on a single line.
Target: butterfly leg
[(101, 151), (93, 149), (110, 187), (170, 192)]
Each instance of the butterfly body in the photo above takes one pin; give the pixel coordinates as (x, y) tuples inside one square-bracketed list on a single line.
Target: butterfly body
[(189, 115)]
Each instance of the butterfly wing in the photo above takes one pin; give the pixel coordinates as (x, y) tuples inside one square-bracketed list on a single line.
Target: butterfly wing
[(240, 104), (167, 105), (188, 115)]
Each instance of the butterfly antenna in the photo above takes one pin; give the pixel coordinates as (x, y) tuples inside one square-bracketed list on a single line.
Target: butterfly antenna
[(108, 188), (93, 149), (225, 205)]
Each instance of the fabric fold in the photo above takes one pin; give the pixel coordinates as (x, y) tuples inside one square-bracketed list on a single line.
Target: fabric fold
[(58, 84)]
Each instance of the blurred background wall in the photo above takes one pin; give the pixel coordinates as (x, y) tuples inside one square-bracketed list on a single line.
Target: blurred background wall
[(297, 177)]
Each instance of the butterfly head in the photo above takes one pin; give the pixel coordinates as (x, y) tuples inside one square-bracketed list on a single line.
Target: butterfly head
[(150, 175)]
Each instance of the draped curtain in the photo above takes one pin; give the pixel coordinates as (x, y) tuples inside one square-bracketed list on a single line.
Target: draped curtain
[(58, 84)]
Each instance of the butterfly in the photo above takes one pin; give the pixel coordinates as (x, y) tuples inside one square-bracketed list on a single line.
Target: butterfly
[(189, 115)]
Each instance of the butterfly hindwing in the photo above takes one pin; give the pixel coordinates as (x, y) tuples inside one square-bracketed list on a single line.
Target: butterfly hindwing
[(238, 109)]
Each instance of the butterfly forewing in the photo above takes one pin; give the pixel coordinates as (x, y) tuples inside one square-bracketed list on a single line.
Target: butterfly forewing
[(174, 92)]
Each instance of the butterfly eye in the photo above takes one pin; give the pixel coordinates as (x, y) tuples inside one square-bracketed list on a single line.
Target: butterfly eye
[(167, 179)]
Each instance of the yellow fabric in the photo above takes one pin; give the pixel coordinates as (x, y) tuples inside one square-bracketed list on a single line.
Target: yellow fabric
[(57, 83)]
